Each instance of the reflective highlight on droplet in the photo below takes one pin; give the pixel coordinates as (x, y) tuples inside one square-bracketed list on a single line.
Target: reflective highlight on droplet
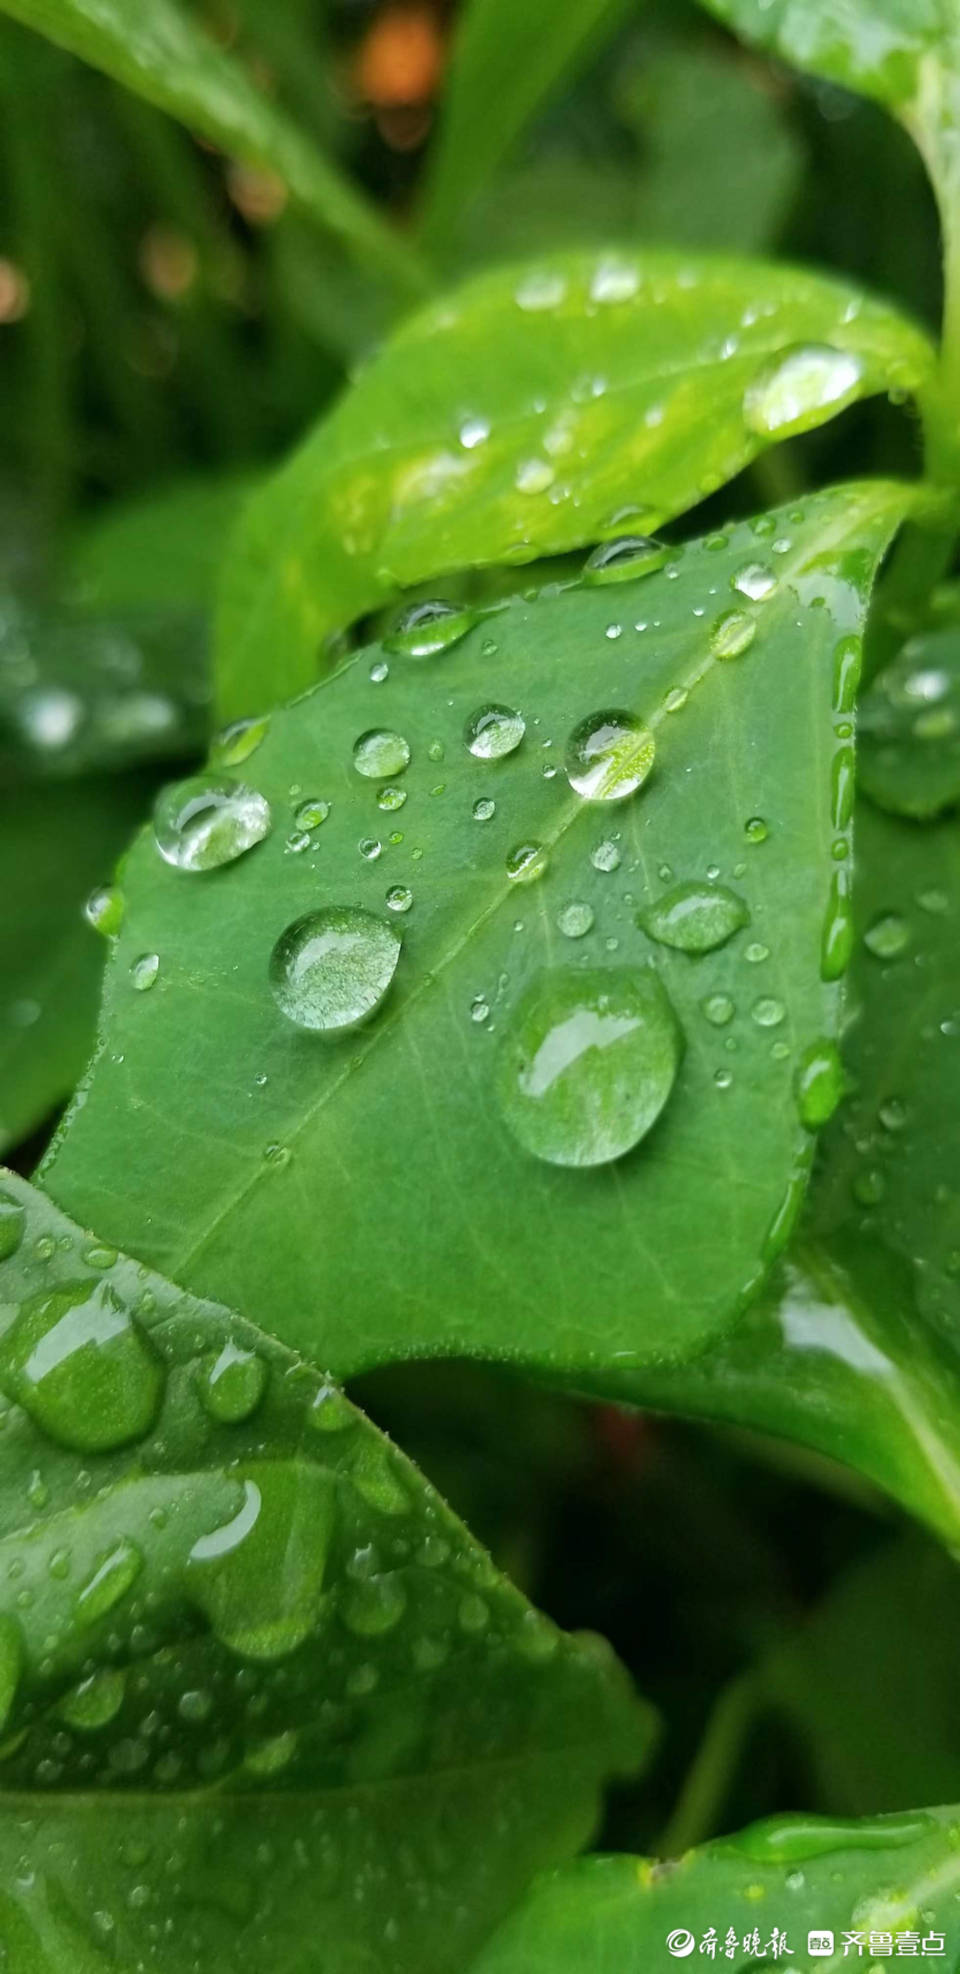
[(609, 756), (331, 969), (208, 821)]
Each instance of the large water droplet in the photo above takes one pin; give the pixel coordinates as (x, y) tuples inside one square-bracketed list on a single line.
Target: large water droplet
[(837, 937), (207, 821), (732, 634), (609, 756), (630, 556), (792, 392), (259, 1578), (78, 1364), (818, 1084), (232, 1384), (109, 1582), (588, 1063), (694, 918), (426, 629), (379, 754), (494, 731), (330, 970), (754, 580)]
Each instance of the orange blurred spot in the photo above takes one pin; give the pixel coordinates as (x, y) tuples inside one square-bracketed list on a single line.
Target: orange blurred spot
[(168, 262), (257, 194), (400, 60), (14, 292)]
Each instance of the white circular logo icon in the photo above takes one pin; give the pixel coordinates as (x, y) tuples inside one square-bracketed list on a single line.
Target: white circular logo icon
[(681, 1942)]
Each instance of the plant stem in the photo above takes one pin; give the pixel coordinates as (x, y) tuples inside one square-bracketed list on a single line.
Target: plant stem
[(705, 1786)]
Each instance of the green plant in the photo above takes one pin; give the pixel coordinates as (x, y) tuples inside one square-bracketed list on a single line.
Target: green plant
[(521, 978)]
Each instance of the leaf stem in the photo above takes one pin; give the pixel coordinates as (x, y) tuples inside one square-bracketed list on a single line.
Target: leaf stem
[(705, 1786)]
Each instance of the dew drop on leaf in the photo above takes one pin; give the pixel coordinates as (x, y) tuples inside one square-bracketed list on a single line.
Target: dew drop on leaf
[(695, 918), (526, 862), (483, 809), (756, 830), (575, 920), (104, 910), (587, 1063), (79, 1365), (887, 936), (259, 1577), (399, 898), (754, 580), (629, 556), (331, 969), (719, 1009), (207, 821), (109, 1581), (767, 1012), (144, 971), (792, 392), (494, 731), (732, 634), (379, 753), (391, 799), (330, 1412), (96, 1701), (606, 855), (310, 814), (426, 629), (232, 1384), (236, 742), (836, 942), (609, 756), (818, 1084), (375, 1606)]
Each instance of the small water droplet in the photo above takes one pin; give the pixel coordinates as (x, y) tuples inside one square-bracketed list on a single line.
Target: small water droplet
[(837, 938), (754, 580), (892, 1113), (606, 855), (869, 1186), (756, 830), (310, 814), (719, 1009), (399, 898), (588, 1063), (473, 432), (792, 392), (379, 671), (96, 1701), (236, 742), (756, 952), (483, 809), (818, 1084), (426, 629), (575, 920), (887, 936), (767, 1012), (609, 756), (370, 847), (732, 634), (104, 909), (494, 731), (695, 918), (109, 1582), (375, 1606), (847, 664), (479, 1009), (331, 969), (390, 799), (629, 557), (379, 753), (330, 1411), (207, 821), (526, 862), (144, 971), (232, 1384)]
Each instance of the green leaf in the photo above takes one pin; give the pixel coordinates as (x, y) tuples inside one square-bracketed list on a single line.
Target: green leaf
[(910, 728), (160, 52), (534, 410), (878, 47), (56, 843), (402, 1189), (854, 1348), (162, 549), (516, 58), (260, 1688), (789, 1876)]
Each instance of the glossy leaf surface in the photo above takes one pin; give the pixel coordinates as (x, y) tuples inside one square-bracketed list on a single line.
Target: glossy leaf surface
[(159, 51), (875, 46), (544, 973), (881, 1878), (532, 411), (258, 1685), (56, 843)]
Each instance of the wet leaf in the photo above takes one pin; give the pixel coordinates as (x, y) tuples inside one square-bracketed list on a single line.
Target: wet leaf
[(884, 1877), (478, 854), (532, 411), (910, 728), (56, 843), (878, 47), (259, 1686)]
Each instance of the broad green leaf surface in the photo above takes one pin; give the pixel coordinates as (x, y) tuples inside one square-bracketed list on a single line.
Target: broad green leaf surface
[(158, 50), (877, 47), (869, 1682), (402, 1190), (878, 1879), (260, 1689), (854, 1348), (532, 411), (56, 843), (164, 548), (511, 57)]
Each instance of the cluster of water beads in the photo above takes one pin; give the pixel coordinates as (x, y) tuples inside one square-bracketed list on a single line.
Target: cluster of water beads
[(207, 821)]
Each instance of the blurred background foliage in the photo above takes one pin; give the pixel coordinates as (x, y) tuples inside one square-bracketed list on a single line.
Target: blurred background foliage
[(168, 326)]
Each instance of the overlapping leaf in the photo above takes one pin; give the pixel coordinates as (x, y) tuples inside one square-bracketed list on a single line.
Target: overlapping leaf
[(534, 410), (377, 1196), (258, 1687), (892, 1880)]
